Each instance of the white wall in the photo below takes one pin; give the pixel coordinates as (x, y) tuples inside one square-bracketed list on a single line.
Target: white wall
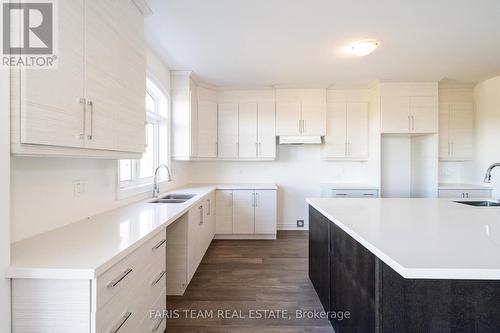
[(487, 131), (409, 166), (42, 188), (4, 200)]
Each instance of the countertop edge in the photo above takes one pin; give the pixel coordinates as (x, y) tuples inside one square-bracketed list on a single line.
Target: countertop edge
[(413, 273)]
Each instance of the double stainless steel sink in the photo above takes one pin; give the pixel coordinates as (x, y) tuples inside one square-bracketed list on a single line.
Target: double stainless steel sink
[(485, 203), (174, 198)]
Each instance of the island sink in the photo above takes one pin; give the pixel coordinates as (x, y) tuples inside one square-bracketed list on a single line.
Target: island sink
[(480, 203)]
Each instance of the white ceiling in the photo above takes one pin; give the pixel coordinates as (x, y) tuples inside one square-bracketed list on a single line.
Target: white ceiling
[(299, 42)]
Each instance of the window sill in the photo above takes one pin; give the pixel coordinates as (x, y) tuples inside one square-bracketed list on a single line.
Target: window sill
[(135, 190)]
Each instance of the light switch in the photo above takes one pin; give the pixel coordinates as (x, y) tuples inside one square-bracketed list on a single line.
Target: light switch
[(80, 188)]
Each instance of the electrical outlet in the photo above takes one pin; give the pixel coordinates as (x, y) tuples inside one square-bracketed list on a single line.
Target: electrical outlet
[(79, 188), (300, 223)]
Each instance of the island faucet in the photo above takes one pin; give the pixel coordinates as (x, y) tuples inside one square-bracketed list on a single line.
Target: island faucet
[(487, 178), (156, 187)]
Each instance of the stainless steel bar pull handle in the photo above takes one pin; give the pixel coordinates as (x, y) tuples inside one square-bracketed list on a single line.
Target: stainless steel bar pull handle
[(201, 215), (158, 278), (209, 207), (119, 278), (91, 105), (84, 103), (158, 324), (159, 244), (122, 321)]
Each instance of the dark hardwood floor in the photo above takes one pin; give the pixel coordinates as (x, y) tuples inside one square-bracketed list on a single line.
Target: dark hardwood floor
[(250, 275)]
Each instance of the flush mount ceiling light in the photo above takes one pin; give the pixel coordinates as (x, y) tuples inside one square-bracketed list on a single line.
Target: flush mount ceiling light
[(364, 47)]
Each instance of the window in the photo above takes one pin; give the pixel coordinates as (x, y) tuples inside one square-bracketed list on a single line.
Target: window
[(137, 173)]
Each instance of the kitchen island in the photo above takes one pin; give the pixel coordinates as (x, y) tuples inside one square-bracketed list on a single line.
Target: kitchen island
[(406, 265)]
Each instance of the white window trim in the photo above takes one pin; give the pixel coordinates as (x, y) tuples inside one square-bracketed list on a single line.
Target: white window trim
[(135, 188)]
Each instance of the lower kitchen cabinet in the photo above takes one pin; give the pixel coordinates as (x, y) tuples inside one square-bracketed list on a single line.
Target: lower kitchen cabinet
[(465, 193), (118, 300), (188, 239), (246, 213), (201, 231), (319, 260)]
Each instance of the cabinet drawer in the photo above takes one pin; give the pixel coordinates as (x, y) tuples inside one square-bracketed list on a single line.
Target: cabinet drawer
[(119, 277), (465, 194), (135, 301), (357, 193), (155, 321)]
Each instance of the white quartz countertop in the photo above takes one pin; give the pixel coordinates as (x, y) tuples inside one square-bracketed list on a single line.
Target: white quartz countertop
[(422, 238), (458, 186), (85, 249)]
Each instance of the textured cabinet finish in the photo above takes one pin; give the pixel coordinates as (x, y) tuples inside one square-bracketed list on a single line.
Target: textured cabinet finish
[(97, 93), (228, 130), (207, 124), (301, 112), (243, 212), (257, 138), (265, 212), (409, 107), (380, 300), (456, 127), (319, 260), (266, 130), (184, 116), (246, 213), (248, 130), (224, 212), (121, 296), (347, 131)]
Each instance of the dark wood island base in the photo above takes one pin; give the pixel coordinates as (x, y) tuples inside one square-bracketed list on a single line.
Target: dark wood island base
[(348, 277)]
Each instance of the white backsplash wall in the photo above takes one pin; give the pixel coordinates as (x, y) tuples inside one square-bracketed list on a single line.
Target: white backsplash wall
[(43, 197), (299, 172)]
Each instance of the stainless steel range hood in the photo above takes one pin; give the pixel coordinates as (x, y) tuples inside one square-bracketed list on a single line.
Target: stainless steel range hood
[(299, 140)]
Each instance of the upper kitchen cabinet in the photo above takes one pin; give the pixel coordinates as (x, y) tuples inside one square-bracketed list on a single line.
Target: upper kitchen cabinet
[(207, 124), (409, 107), (257, 138), (247, 122), (92, 104), (301, 112), (184, 116), (456, 122), (228, 130), (347, 131)]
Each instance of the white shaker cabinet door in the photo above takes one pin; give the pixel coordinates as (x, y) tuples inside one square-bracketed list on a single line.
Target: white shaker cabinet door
[(207, 129), (228, 130), (265, 212), (248, 130), (224, 212), (243, 212), (50, 108), (266, 130)]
